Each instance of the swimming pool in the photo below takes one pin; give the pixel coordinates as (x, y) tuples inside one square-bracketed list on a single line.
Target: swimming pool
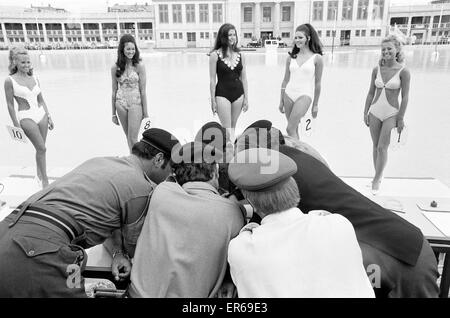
[(77, 88)]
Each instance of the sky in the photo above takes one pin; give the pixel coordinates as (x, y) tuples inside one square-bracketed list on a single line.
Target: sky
[(101, 5)]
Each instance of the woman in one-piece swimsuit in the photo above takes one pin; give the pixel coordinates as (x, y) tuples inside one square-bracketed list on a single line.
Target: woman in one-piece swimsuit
[(129, 97), (382, 111), (302, 78), (32, 115), (229, 94)]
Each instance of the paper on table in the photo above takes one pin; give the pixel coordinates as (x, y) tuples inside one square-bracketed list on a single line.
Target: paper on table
[(441, 220), (441, 207)]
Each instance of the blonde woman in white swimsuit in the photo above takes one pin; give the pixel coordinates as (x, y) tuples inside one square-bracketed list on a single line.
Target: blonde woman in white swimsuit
[(302, 79), (32, 115), (382, 111)]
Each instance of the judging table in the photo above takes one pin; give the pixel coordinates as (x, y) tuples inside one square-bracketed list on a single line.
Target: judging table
[(434, 225)]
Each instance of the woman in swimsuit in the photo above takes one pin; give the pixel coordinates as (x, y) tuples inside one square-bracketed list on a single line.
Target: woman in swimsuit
[(32, 115), (302, 78), (382, 111), (229, 95), (129, 97)]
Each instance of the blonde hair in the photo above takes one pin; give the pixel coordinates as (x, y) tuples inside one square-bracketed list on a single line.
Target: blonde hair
[(14, 52), (398, 43)]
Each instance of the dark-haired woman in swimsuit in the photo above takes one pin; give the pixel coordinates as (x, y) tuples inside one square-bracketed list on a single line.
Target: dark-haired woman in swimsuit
[(229, 93)]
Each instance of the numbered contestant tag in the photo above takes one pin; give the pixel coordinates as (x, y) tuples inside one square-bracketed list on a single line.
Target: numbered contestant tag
[(307, 125), (145, 124), (17, 134), (398, 140)]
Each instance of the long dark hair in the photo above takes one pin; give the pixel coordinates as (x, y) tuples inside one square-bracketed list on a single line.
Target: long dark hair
[(314, 43), (222, 39), (121, 58)]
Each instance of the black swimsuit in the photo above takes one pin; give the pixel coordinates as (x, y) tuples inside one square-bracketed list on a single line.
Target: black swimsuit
[(229, 85)]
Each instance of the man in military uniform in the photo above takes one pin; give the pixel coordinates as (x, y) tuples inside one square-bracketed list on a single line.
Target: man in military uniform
[(406, 263), (42, 242)]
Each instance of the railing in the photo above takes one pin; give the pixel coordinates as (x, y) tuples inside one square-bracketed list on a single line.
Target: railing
[(420, 26), (443, 25)]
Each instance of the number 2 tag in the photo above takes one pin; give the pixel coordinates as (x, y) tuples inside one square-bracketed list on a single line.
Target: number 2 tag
[(17, 134), (307, 125)]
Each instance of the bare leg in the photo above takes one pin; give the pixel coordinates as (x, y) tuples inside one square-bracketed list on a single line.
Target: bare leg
[(299, 110), (33, 133), (224, 112), (288, 104), (375, 130), (123, 118), (236, 109), (43, 128), (382, 150), (134, 123)]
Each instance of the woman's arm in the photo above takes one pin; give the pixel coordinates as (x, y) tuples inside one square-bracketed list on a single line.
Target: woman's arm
[(317, 84), (244, 84), (287, 76), (142, 88), (115, 120), (405, 78), (370, 95), (9, 94), (212, 80)]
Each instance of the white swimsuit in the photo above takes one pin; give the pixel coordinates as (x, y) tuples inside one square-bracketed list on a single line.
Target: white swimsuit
[(302, 80), (35, 112), (381, 108)]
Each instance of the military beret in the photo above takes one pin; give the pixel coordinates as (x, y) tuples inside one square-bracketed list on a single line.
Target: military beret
[(196, 152), (160, 139), (260, 169), (214, 134), (259, 138), (263, 123)]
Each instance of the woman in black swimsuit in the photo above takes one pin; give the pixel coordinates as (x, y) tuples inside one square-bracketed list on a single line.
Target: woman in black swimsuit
[(229, 93)]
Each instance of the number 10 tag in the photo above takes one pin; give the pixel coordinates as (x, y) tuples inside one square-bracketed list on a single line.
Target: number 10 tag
[(17, 134)]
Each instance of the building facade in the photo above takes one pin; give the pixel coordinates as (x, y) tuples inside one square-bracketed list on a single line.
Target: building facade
[(423, 24), (63, 29)]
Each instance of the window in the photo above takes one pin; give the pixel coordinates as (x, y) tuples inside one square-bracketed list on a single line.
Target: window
[(333, 33), (190, 13), (372, 32), (347, 10), (379, 32), (317, 10), (215, 35), (202, 35), (267, 14), (357, 32), (175, 35), (247, 35), (378, 8), (332, 10), (176, 13), (207, 35), (217, 12), (328, 33), (285, 34), (319, 32), (167, 36), (163, 13), (285, 14), (248, 14), (180, 35), (362, 9), (204, 13), (363, 32)]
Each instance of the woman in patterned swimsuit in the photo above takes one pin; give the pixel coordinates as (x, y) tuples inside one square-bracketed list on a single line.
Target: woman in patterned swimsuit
[(129, 98), (229, 94)]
